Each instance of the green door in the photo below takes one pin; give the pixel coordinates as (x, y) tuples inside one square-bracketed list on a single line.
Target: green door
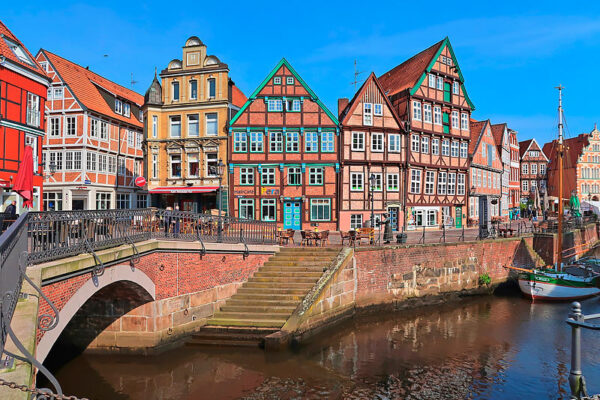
[(458, 217), (447, 95)]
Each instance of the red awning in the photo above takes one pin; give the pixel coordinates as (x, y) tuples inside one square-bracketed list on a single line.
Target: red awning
[(183, 189)]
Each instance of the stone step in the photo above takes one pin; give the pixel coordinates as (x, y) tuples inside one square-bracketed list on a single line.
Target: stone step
[(251, 315), (268, 301), (309, 250), (320, 270), (223, 342), (300, 257), (283, 272), (265, 323), (283, 279), (259, 295), (235, 330), (277, 285), (252, 307), (271, 291), (297, 263)]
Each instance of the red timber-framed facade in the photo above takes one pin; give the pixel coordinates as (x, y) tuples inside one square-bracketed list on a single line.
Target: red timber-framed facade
[(23, 86), (514, 182), (283, 155), (502, 139), (372, 145), (428, 92), (534, 165), (94, 140)]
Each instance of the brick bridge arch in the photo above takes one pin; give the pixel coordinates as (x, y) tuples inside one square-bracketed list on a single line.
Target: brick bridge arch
[(116, 274)]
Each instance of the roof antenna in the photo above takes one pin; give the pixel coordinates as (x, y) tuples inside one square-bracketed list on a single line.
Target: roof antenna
[(133, 82), (357, 73)]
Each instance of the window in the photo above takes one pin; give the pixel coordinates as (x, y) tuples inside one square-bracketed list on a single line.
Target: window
[(533, 169), (275, 142), (437, 115), (368, 114), (91, 161), (534, 153), (175, 166), (256, 142), (292, 142), (377, 182), (455, 120), (246, 209), (451, 183), (393, 182), (292, 105), (415, 143), (460, 190), (142, 201), (193, 127), (464, 121), (442, 182), (154, 126), (175, 121), (432, 81), (54, 126), (429, 182), (103, 130), (484, 178), (435, 147), (479, 174), (427, 113), (126, 109), (240, 142), (212, 164), (268, 209), (211, 124), (315, 176), (311, 142), (445, 147), (455, 87), (327, 145), (267, 176), (274, 105), (294, 176), (103, 201), (356, 221), (464, 148), (377, 142), (415, 181), (154, 166), (130, 138), (356, 181), (320, 209), (212, 88), (542, 169), (378, 109), (44, 65), (57, 159), (483, 148), (33, 109), (193, 89), (289, 80), (53, 201), (277, 80), (193, 165), (58, 93), (525, 169), (71, 125), (525, 186), (358, 141), (247, 176), (454, 148), (416, 110), (123, 200), (94, 127), (394, 144), (425, 145), (445, 123)]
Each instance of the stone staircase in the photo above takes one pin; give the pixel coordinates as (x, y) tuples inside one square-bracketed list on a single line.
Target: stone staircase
[(264, 303)]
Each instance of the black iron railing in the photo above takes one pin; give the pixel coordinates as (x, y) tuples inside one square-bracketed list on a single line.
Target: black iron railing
[(59, 234)]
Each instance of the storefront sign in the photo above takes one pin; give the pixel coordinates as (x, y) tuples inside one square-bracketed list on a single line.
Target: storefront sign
[(140, 181), (267, 191), (243, 192)]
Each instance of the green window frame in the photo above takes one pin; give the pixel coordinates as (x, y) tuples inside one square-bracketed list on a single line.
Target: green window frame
[(292, 142), (316, 176), (327, 142), (276, 142), (247, 176), (240, 142), (267, 176), (320, 210), (446, 122), (294, 176), (256, 142), (268, 209), (292, 105), (311, 142), (246, 208)]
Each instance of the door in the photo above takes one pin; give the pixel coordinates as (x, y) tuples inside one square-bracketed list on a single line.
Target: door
[(291, 215), (447, 95), (458, 216), (78, 204), (393, 212)]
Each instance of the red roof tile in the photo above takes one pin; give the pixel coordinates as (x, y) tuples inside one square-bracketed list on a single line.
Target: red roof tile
[(498, 132), (6, 51), (476, 129), (238, 98), (573, 149), (523, 146), (407, 74), (85, 86)]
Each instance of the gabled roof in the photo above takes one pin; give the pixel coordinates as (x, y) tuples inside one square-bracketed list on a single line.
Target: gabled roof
[(9, 54), (477, 129), (352, 103), (524, 146), (412, 72), (313, 95), (86, 85), (573, 149), (238, 98), (498, 132)]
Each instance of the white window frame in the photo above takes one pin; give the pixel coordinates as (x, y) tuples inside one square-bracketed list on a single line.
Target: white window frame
[(455, 121), (394, 143), (393, 182), (425, 144), (415, 143), (368, 114), (415, 181), (118, 106), (417, 116), (377, 142), (455, 87), (429, 182), (432, 81), (435, 146), (67, 130), (437, 115), (190, 117), (358, 138), (154, 126), (464, 121), (441, 190), (446, 147), (378, 109), (357, 181), (172, 123), (267, 176), (427, 113), (464, 149)]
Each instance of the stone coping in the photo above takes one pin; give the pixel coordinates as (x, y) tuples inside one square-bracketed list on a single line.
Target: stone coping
[(410, 245)]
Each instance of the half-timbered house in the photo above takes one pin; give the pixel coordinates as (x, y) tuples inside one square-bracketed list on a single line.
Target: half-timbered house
[(283, 155), (23, 86), (502, 139), (534, 164), (515, 176), (93, 139), (372, 153), (429, 94)]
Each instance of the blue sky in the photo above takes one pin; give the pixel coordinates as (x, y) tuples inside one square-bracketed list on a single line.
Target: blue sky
[(511, 54)]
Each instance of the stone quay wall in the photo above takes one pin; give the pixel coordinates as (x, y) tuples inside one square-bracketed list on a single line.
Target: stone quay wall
[(575, 242)]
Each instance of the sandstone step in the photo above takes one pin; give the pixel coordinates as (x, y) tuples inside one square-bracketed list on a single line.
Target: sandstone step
[(236, 330), (282, 273), (284, 279), (257, 308), (266, 323), (291, 269), (309, 250), (269, 301), (224, 342), (300, 257), (272, 291), (277, 285), (297, 263), (260, 315), (266, 297)]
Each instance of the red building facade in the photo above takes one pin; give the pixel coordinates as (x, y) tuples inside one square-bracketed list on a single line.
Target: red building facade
[(283, 155), (514, 182), (534, 164), (23, 86)]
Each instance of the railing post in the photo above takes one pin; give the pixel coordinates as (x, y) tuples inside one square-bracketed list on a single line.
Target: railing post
[(576, 379)]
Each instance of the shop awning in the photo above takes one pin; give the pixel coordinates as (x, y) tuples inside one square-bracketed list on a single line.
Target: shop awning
[(183, 189)]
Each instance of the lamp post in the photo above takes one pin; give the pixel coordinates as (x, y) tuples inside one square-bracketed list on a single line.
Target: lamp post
[(371, 187), (220, 167)]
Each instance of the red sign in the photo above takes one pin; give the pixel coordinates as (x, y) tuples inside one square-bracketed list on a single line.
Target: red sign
[(140, 181)]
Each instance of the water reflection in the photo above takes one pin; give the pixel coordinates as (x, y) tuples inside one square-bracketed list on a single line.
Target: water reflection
[(493, 348)]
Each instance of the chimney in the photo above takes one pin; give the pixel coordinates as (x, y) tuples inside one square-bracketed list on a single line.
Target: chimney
[(342, 104)]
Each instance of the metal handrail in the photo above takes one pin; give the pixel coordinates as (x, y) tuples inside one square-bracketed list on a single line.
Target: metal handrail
[(577, 320)]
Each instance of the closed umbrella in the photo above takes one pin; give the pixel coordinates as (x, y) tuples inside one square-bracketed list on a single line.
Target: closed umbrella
[(24, 182)]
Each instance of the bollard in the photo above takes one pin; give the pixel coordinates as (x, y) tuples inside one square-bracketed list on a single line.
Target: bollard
[(576, 379)]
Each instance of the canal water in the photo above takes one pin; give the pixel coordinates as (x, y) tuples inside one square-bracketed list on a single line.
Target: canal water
[(480, 348)]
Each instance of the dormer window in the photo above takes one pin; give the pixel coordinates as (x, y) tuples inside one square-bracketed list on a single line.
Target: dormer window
[(118, 106), (175, 87), (18, 50), (126, 109), (277, 80), (289, 80)]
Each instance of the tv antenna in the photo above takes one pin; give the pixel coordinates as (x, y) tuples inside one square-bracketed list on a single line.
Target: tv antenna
[(133, 82), (357, 73)]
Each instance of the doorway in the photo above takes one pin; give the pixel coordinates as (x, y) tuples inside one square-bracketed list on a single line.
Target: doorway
[(291, 215), (394, 212), (78, 204)]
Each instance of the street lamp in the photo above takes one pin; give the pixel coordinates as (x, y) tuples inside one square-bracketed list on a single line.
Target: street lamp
[(220, 167), (372, 179), (51, 168)]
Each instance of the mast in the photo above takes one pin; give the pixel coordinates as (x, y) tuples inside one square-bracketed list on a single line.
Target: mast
[(561, 213)]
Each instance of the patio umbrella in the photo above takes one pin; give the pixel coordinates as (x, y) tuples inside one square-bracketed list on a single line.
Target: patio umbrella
[(24, 182)]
